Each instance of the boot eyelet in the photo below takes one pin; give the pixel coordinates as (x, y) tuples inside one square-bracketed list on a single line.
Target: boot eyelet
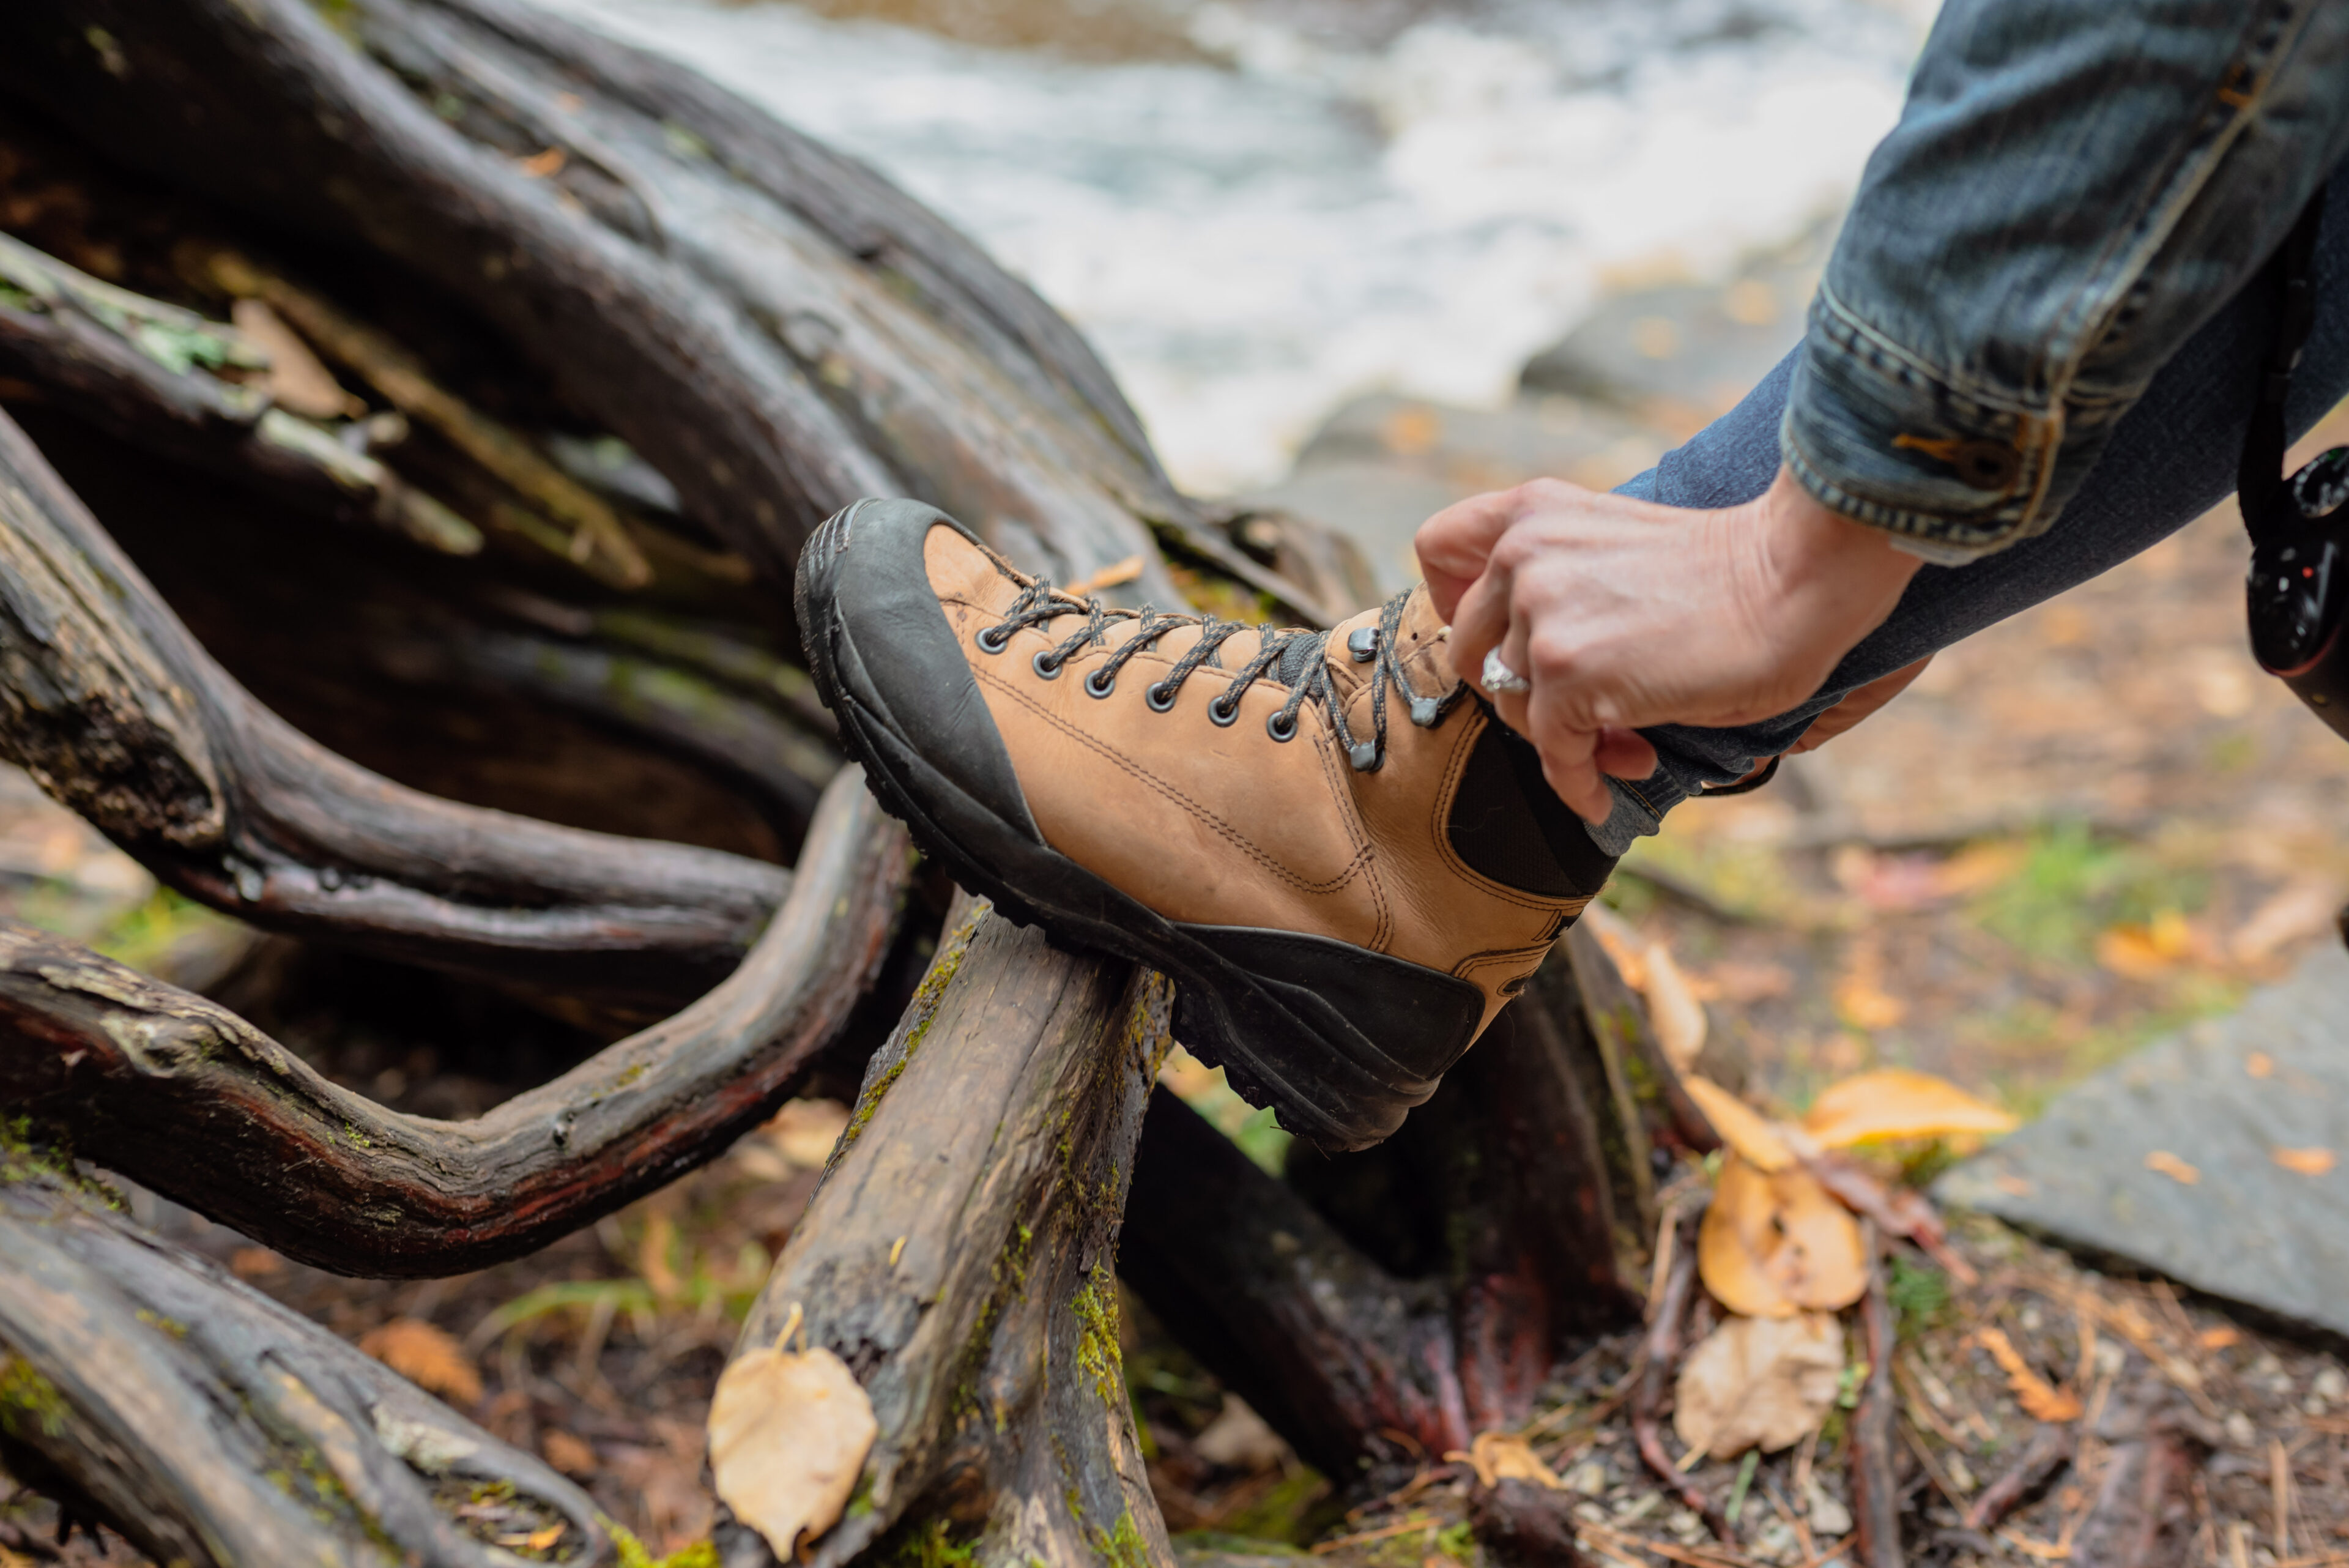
[(1160, 696), (1047, 668), (1278, 731), (1095, 686), (993, 638), (1224, 718)]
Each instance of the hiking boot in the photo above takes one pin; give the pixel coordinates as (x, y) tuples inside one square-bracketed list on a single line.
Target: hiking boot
[(1346, 864)]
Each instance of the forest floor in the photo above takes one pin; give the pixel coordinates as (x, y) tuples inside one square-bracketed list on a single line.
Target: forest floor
[(2083, 829)]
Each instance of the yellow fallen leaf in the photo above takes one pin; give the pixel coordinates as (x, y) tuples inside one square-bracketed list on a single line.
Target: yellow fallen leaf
[(1862, 1004), (1116, 574), (1496, 1457), (1773, 1245), (1740, 1126), (788, 1437), (1673, 1010), (2147, 952), (1893, 1102), (2218, 1337), (2041, 1400), (1759, 1382), (2303, 1161), (2170, 1165), (2260, 1065), (536, 1539), (428, 1357), (571, 1455)]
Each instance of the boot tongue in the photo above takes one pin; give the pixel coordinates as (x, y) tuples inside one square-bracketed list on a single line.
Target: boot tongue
[(1299, 658)]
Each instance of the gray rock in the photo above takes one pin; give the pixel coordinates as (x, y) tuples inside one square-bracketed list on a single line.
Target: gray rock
[(2224, 1097), (1684, 353), (1382, 465)]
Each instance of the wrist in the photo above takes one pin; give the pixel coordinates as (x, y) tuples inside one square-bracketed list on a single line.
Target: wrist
[(1812, 547)]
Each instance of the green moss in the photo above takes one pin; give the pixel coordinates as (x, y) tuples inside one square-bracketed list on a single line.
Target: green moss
[(1122, 1546), (933, 1546), (28, 1400), (633, 1554), (1097, 1357), (1457, 1541), (172, 1326), (920, 1013)]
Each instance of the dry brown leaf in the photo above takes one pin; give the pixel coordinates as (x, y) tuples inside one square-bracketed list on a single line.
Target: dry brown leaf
[(2041, 1400), (2218, 1337), (536, 1539), (788, 1437), (427, 1357), (804, 1131), (1496, 1457), (1863, 1003), (1773, 1245), (2260, 1065), (2170, 1165), (1740, 1126), (297, 381), (2303, 1161), (1673, 1010), (1759, 1382), (573, 1456), (542, 164), (1894, 1102)]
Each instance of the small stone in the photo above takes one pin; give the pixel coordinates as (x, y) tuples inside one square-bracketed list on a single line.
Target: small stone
[(1776, 1542), (1961, 1475), (2330, 1385), (1589, 1477), (2110, 1357), (1830, 1517), (1684, 1524), (2241, 1433)]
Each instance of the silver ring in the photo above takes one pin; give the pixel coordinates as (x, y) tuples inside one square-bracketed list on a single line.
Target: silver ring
[(1499, 677)]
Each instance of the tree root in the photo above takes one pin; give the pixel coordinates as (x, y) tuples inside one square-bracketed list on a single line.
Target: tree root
[(116, 711), (187, 1099), (1668, 1317), (149, 1391), (960, 1257)]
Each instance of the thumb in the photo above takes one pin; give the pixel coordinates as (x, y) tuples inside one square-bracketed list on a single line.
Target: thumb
[(1455, 545)]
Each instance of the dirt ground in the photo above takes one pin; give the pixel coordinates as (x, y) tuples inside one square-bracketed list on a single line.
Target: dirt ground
[(2083, 829)]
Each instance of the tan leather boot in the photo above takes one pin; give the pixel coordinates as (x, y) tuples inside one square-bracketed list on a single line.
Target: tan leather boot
[(1347, 866)]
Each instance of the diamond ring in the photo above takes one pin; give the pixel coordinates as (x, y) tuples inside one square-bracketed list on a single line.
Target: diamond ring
[(1500, 678)]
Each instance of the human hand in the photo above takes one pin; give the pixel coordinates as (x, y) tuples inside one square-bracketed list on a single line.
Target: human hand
[(1623, 614)]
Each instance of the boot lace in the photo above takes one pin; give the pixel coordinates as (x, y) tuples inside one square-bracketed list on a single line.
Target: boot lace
[(1295, 658)]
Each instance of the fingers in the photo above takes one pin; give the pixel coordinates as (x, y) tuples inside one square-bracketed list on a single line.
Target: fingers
[(1455, 545), (1625, 754)]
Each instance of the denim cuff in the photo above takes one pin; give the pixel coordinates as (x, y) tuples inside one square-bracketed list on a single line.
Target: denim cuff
[(1879, 434)]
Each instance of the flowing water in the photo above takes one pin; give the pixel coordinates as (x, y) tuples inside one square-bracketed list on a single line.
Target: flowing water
[(1257, 210)]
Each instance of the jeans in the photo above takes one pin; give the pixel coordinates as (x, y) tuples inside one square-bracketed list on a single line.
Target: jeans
[(2172, 458)]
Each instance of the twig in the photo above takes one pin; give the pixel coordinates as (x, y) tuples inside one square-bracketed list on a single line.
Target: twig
[(1874, 1483), (2280, 1484), (1662, 1352), (1384, 1533), (1696, 1556), (2049, 1450)]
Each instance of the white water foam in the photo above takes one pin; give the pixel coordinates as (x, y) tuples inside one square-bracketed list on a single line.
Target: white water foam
[(1252, 242)]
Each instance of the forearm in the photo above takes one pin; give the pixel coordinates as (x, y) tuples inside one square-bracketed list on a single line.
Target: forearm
[(2072, 190)]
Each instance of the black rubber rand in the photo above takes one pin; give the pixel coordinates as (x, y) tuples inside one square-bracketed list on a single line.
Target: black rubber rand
[(1341, 1042)]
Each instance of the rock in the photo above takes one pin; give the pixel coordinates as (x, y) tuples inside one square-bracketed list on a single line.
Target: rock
[(1682, 353), (2240, 1103), (1382, 465), (1524, 1525)]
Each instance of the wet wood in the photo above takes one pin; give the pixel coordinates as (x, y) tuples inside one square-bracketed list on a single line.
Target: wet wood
[(184, 1096), (960, 1257), (146, 1388), (1873, 1453)]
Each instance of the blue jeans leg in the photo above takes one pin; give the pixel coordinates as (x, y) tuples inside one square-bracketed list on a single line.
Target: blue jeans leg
[(2173, 459)]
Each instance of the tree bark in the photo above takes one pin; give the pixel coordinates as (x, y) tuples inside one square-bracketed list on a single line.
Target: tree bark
[(187, 1099), (115, 710), (960, 1257), (144, 1388)]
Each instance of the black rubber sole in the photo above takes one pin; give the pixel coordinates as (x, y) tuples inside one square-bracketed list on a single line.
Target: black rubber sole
[(1279, 1044)]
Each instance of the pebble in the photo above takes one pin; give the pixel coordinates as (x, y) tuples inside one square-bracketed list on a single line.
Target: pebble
[(1589, 1477), (2240, 1432), (1830, 1517)]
